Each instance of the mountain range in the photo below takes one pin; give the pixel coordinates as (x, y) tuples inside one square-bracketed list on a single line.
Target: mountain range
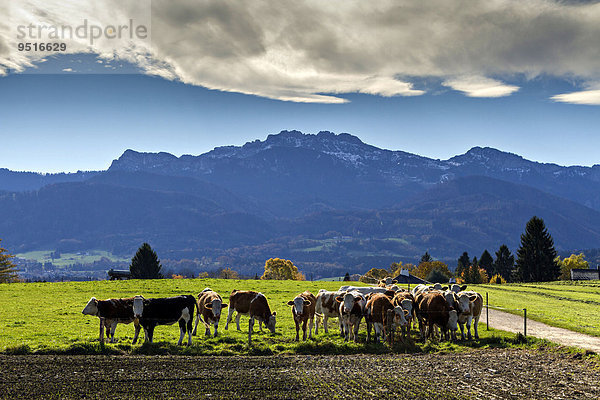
[(329, 202)]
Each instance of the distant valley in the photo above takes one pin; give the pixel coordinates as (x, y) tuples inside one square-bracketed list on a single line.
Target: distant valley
[(331, 203)]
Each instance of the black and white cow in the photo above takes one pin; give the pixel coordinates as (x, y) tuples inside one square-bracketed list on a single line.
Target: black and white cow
[(111, 312), (165, 311)]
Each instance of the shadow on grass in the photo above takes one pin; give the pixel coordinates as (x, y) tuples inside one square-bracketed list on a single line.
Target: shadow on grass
[(227, 346)]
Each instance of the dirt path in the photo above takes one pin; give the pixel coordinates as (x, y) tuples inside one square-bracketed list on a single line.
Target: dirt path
[(514, 323), (479, 374)]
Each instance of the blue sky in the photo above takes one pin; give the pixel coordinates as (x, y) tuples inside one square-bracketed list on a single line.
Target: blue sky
[(234, 75)]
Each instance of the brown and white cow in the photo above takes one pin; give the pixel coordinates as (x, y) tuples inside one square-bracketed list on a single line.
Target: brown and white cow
[(165, 311), (210, 305), (407, 302), (303, 311), (432, 310), (111, 312), (470, 313), (385, 282), (364, 290), (327, 307), (352, 307), (254, 304), (383, 316), (457, 288)]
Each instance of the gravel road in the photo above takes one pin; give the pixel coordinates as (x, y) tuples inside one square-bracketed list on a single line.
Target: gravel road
[(514, 323)]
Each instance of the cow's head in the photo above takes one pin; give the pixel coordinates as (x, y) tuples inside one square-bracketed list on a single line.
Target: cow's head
[(216, 306), (348, 300), (138, 306), (387, 282), (91, 308), (407, 305), (298, 304), (450, 296), (453, 320), (271, 322), (462, 302), (400, 316), (457, 289)]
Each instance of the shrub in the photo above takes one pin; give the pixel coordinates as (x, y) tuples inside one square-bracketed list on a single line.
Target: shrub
[(497, 279)]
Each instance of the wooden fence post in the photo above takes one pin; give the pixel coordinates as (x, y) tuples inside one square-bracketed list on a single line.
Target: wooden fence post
[(487, 313)]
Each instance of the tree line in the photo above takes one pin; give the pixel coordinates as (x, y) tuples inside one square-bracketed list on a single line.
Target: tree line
[(536, 261), (146, 265)]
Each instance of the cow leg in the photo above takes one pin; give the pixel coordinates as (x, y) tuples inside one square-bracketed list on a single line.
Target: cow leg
[(317, 322), (149, 333), (260, 324), (341, 323), (101, 338), (196, 325), (250, 328), (356, 327), (304, 330), (229, 314), (137, 331), (325, 328), (422, 327), (181, 331), (369, 328), (297, 330), (216, 326), (113, 328), (188, 326), (469, 320), (237, 321), (310, 327), (462, 330), (378, 332)]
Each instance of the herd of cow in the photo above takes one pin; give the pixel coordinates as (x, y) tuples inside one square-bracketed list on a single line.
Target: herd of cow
[(385, 308)]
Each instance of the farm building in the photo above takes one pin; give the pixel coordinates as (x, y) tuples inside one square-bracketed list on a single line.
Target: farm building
[(405, 277), (584, 274), (116, 274)]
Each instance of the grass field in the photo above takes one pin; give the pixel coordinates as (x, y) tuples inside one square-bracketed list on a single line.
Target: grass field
[(66, 259), (46, 318), (564, 304)]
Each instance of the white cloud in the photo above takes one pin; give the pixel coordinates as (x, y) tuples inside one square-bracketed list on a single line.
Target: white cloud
[(587, 97), (477, 86), (314, 50), (67, 69)]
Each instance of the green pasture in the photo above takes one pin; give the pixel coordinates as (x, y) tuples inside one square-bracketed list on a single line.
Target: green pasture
[(564, 304), (46, 318), (66, 259)]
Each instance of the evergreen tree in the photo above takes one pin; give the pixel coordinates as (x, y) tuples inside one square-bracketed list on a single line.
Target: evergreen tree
[(463, 263), (536, 256), (437, 276), (8, 270), (487, 262), (346, 277), (426, 257), (475, 262), (145, 264), (504, 262)]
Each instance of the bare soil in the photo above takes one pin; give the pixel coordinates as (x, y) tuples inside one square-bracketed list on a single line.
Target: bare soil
[(489, 374), (514, 323)]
